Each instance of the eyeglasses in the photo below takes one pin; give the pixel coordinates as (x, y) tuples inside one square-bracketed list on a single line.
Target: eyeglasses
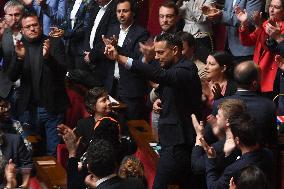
[(275, 6), (28, 27)]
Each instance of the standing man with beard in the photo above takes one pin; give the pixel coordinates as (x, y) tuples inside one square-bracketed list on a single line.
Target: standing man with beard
[(126, 86), (40, 63), (180, 94)]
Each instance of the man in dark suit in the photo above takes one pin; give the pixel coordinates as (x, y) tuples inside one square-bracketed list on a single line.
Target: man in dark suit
[(40, 63), (75, 27), (180, 93), (246, 137), (122, 84), (102, 166), (10, 31), (263, 110)]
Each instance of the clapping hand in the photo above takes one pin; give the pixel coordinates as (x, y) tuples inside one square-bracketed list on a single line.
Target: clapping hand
[(212, 120), (198, 127), (230, 144), (70, 139), (110, 41), (20, 50), (257, 18), (3, 26), (273, 29), (242, 15), (210, 151), (157, 106), (45, 48), (87, 57), (211, 12), (10, 174), (55, 32), (148, 51)]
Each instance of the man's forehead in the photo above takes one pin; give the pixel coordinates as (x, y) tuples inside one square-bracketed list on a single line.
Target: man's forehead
[(166, 10), (13, 9)]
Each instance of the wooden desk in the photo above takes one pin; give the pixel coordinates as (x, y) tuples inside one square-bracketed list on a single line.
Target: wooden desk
[(142, 134), (52, 176)]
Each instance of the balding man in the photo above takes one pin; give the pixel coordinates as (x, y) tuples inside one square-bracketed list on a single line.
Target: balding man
[(263, 110)]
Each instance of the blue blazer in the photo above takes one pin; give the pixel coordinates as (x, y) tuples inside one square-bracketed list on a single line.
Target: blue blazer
[(230, 20)]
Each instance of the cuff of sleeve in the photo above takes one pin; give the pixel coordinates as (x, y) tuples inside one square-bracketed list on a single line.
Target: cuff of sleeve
[(128, 64)]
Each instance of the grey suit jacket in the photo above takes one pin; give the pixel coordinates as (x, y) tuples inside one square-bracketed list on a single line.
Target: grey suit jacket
[(229, 18), (7, 51)]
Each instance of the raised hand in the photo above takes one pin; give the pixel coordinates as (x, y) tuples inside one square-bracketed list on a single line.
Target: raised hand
[(110, 41), (273, 29), (3, 26), (56, 32), (20, 50), (212, 120), (111, 52), (87, 57), (148, 51), (217, 91), (70, 139), (41, 2), (10, 174), (45, 48), (257, 18), (211, 12), (232, 184), (198, 127), (230, 144), (210, 151), (157, 106), (242, 15)]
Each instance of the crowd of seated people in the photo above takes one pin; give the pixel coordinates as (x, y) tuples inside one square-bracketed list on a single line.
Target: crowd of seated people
[(212, 110)]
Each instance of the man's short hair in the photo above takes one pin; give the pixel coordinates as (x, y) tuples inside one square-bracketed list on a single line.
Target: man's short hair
[(26, 15), (231, 107), (101, 158), (251, 176), (171, 40), (14, 3), (187, 37), (171, 5), (245, 73), (92, 96), (132, 5), (243, 126)]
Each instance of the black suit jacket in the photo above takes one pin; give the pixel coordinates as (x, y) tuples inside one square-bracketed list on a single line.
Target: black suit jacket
[(131, 84), (107, 20), (119, 183), (51, 73), (7, 51), (261, 158), (180, 95), (15, 149), (261, 109)]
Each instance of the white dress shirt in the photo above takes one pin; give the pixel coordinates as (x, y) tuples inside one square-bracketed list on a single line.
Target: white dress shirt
[(96, 23), (74, 11), (121, 38), (104, 179)]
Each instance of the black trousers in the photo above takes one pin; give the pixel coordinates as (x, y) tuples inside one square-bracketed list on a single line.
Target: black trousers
[(173, 167)]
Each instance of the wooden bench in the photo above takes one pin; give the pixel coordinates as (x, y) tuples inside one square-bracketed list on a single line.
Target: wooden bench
[(51, 175)]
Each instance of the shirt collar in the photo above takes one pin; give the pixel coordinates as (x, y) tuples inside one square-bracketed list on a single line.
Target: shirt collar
[(105, 6), (127, 29), (104, 179)]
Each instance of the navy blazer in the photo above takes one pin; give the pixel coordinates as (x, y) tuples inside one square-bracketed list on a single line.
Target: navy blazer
[(261, 109), (107, 20), (131, 84), (180, 95), (261, 158), (230, 20)]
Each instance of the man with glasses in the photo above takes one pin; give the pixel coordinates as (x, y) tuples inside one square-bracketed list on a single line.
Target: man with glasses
[(40, 63)]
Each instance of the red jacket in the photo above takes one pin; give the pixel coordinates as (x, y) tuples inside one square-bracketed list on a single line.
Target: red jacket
[(262, 56)]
